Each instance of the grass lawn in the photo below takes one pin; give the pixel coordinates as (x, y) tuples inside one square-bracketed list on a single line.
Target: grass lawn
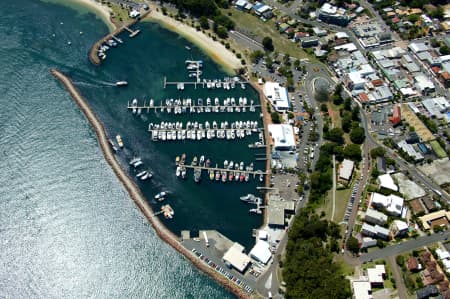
[(342, 198), (347, 269), (120, 14), (438, 149), (257, 29)]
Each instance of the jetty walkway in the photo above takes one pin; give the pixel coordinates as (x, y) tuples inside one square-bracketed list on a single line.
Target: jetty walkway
[(134, 191), (93, 57)]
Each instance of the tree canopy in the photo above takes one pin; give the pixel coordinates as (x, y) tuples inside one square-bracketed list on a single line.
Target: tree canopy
[(353, 152), (309, 269), (335, 135), (268, 44), (357, 135)]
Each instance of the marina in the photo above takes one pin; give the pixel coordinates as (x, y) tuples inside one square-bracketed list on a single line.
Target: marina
[(167, 131), (188, 105)]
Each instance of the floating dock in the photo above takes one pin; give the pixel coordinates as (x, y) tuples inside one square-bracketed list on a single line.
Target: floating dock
[(253, 172), (182, 106), (231, 172), (226, 83), (167, 131)]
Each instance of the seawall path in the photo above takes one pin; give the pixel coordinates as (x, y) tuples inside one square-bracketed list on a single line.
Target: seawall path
[(134, 191)]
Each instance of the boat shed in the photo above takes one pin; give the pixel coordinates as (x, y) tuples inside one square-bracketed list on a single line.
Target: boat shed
[(261, 252), (236, 258)]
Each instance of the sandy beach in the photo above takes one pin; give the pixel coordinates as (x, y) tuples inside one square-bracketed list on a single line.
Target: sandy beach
[(214, 49), (102, 11)]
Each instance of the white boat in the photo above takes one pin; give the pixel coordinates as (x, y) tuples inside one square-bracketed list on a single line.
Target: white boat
[(121, 83), (160, 195), (119, 141), (134, 160), (178, 171), (137, 164), (147, 175), (142, 173)]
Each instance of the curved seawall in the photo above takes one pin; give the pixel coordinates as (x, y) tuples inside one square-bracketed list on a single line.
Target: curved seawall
[(134, 191)]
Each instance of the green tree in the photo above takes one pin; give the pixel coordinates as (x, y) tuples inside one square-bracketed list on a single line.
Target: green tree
[(352, 152), (222, 32), (275, 117), (255, 56), (400, 260), (353, 245), (268, 44), (357, 135), (204, 22), (444, 49), (336, 135), (348, 104), (324, 107), (355, 113), (377, 152), (346, 122), (322, 94), (413, 18)]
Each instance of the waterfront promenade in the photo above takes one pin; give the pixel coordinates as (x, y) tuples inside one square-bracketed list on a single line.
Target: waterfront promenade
[(134, 191)]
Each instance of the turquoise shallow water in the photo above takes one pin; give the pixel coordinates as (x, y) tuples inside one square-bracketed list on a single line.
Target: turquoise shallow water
[(67, 227)]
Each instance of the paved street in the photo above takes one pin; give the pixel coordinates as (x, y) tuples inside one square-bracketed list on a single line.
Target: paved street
[(394, 250), (400, 284)]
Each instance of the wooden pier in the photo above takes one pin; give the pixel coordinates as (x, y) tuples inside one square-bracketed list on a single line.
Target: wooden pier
[(132, 33)]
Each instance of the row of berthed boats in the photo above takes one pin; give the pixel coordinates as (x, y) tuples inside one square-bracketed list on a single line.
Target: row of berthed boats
[(166, 131), (101, 51), (181, 106), (231, 171)]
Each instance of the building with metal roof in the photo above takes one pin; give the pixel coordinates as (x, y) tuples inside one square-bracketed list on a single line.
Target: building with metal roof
[(235, 257)]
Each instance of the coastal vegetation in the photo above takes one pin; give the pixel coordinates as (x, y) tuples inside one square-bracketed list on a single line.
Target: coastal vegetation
[(204, 10), (309, 270)]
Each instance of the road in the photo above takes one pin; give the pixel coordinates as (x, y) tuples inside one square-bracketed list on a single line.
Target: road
[(399, 283), (363, 179), (406, 246)]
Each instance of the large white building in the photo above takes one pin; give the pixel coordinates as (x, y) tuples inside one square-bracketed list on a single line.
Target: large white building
[(261, 252), (282, 136), (277, 95), (393, 204)]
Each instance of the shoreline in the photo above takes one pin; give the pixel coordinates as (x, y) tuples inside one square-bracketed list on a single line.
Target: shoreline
[(134, 192), (214, 49), (101, 11)]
